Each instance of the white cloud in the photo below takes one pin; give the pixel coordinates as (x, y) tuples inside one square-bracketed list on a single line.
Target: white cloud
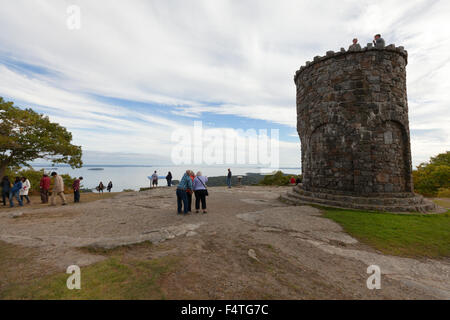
[(224, 57)]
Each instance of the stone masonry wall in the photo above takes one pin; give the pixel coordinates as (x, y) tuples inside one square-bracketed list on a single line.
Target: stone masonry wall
[(352, 116)]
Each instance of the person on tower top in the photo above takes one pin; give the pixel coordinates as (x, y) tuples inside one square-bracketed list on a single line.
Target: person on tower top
[(355, 46), (378, 41)]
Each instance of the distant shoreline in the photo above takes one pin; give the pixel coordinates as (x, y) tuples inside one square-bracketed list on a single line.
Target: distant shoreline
[(151, 166)]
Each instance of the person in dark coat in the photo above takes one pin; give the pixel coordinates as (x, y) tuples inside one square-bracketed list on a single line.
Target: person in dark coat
[(100, 187), (6, 188), (169, 179), (110, 186), (378, 41)]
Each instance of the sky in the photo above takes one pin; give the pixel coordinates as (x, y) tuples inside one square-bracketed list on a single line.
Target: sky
[(136, 71)]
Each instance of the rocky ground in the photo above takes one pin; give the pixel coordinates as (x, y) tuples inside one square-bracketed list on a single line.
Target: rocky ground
[(248, 246)]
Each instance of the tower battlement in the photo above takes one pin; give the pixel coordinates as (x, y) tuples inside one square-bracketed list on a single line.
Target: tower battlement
[(331, 54)]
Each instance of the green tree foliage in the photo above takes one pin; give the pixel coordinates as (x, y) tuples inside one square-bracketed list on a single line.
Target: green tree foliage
[(277, 179), (26, 135), (433, 177)]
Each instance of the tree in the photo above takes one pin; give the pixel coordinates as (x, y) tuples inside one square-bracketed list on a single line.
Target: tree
[(431, 177), (26, 135)]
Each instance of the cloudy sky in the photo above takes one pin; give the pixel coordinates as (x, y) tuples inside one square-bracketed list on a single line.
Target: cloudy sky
[(138, 70)]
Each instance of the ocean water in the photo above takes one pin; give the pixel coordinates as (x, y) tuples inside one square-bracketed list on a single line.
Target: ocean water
[(136, 177)]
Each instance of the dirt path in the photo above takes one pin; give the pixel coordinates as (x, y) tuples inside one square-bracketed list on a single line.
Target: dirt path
[(249, 245)]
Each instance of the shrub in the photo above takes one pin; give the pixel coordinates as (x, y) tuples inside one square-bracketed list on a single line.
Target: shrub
[(444, 193), (277, 179), (430, 177)]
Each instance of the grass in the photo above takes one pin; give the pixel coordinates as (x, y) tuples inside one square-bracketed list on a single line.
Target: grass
[(408, 235), (119, 276)]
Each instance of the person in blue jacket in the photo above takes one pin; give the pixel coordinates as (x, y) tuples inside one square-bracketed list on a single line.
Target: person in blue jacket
[(182, 199), (15, 192)]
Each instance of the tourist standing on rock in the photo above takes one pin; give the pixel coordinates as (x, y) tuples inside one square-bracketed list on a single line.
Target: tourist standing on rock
[(6, 189), (169, 179), (185, 184), (190, 191), (378, 41), (76, 189), (355, 46), (229, 178), (155, 179), (58, 189), (44, 186), (201, 191), (100, 187), (15, 192), (110, 186), (26, 185)]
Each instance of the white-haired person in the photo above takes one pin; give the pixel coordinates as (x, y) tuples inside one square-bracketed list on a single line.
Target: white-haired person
[(201, 191)]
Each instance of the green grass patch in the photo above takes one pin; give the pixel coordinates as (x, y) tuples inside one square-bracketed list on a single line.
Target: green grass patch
[(113, 278), (409, 235), (119, 250)]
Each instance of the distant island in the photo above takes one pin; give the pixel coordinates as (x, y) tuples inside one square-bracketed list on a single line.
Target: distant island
[(96, 169)]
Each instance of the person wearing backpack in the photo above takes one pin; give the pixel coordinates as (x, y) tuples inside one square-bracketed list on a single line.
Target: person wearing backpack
[(201, 191)]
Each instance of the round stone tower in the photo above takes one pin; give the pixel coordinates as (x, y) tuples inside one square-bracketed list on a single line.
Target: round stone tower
[(352, 119)]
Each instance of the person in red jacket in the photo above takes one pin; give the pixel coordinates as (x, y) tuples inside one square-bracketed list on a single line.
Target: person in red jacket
[(293, 180), (190, 192), (76, 189), (44, 186)]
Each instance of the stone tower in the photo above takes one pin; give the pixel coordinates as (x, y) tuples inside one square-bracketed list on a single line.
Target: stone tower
[(352, 119)]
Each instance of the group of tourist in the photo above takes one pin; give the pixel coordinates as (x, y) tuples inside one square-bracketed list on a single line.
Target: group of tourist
[(154, 179), (21, 186), (101, 187), (19, 190), (191, 184), (58, 189), (293, 181), (378, 42)]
